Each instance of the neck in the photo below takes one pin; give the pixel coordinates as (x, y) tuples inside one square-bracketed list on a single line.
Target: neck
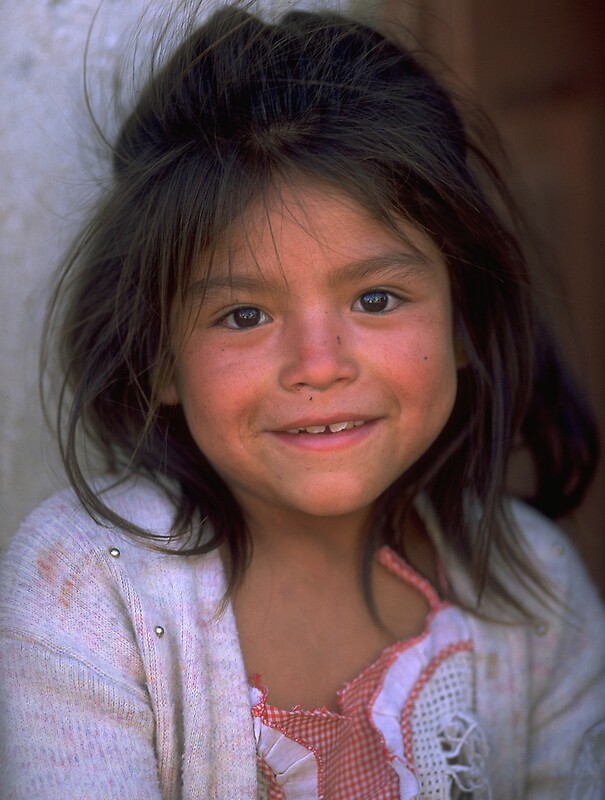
[(301, 540)]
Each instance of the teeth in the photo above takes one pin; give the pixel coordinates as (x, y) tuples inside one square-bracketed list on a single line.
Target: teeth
[(334, 427), (337, 427)]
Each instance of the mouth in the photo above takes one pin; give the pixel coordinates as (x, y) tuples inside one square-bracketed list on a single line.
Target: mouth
[(332, 427)]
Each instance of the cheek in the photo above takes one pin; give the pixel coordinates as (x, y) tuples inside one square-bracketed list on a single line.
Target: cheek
[(426, 347), (430, 381), (218, 398), (425, 373), (197, 392)]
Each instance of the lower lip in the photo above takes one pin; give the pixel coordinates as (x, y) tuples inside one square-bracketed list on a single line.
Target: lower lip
[(325, 442)]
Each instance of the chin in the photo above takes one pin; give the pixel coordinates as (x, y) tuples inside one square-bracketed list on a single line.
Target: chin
[(333, 503)]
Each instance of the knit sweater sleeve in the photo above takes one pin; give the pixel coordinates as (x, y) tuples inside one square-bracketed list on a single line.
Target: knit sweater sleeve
[(76, 718), (567, 680)]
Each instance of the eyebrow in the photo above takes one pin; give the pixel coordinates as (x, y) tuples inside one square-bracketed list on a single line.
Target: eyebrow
[(404, 264)]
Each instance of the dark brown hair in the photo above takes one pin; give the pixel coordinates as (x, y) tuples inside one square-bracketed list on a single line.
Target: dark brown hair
[(239, 105)]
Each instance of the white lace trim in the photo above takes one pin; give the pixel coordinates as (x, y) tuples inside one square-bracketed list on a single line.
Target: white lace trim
[(428, 696), (465, 749)]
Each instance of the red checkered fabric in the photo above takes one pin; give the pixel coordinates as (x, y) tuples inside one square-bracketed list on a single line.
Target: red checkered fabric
[(352, 760)]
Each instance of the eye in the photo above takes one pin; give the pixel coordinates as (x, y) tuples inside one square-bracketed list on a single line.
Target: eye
[(244, 317), (376, 301)]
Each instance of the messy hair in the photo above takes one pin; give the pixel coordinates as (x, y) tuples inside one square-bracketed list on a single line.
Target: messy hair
[(242, 105)]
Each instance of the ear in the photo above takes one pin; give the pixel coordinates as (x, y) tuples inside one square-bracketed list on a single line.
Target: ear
[(169, 395), (165, 387)]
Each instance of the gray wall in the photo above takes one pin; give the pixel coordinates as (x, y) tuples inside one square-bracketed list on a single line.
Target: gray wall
[(45, 173)]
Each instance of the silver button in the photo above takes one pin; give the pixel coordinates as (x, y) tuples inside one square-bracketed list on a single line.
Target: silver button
[(159, 631), (114, 552), (541, 628)]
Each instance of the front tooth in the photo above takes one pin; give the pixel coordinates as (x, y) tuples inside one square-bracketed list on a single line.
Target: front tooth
[(316, 429), (358, 423), (337, 427)]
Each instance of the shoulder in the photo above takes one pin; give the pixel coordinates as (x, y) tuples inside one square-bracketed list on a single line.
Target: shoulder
[(555, 557), (137, 500), (542, 536), (60, 536), (564, 646), (565, 616), (566, 653), (78, 586), (60, 531)]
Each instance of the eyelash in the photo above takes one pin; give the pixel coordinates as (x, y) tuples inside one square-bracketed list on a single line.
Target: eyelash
[(393, 302)]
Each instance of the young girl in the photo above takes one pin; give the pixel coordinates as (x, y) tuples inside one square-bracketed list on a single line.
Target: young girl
[(300, 332)]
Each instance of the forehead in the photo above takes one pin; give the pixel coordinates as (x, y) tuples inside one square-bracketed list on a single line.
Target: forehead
[(293, 232)]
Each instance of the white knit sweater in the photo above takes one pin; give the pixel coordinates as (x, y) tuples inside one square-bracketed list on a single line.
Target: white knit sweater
[(119, 680)]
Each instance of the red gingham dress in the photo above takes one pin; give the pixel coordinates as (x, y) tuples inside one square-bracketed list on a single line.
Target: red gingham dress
[(406, 727)]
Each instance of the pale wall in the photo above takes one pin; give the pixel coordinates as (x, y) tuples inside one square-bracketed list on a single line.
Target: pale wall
[(47, 170)]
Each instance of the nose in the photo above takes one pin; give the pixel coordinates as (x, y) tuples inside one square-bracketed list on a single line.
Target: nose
[(317, 352)]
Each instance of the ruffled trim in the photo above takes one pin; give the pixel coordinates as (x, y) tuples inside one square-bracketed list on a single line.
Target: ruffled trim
[(296, 766)]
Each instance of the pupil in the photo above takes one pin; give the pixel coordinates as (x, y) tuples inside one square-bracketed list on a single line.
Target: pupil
[(375, 301), (246, 317)]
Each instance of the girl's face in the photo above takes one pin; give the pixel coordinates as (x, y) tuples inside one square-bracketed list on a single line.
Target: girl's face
[(321, 363)]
